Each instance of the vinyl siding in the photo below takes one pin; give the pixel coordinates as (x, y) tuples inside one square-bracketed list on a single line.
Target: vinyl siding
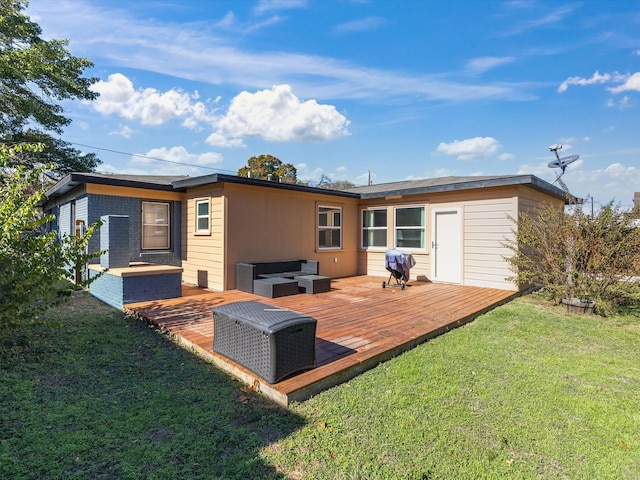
[(486, 226), (203, 254), (253, 224)]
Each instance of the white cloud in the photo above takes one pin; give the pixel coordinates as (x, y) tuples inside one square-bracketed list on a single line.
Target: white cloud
[(167, 161), (124, 132), (471, 148), (206, 53), (627, 83), (624, 102), (307, 174), (178, 162), (441, 172), (632, 83), (540, 170), (483, 64), (558, 15), (617, 170), (360, 25), (278, 115), (179, 154), (506, 156), (151, 107), (218, 140), (616, 177), (595, 79), (269, 5)]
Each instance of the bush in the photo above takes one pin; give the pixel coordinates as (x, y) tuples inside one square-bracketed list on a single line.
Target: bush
[(33, 263), (578, 255)]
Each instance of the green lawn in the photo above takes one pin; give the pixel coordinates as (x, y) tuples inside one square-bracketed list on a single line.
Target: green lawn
[(523, 392)]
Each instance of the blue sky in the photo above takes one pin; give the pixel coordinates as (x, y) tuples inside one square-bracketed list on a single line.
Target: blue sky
[(351, 88)]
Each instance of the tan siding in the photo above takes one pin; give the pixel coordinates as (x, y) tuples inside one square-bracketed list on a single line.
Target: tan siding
[(132, 192), (265, 224), (250, 223), (205, 253)]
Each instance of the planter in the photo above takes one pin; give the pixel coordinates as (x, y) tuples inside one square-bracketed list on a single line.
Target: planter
[(578, 306)]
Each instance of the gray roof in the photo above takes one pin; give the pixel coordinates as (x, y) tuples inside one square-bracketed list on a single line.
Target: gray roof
[(220, 178), (151, 182), (405, 187), (450, 184)]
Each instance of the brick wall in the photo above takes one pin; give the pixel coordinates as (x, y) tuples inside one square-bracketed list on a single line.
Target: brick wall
[(114, 241), (99, 205), (108, 288), (118, 291)]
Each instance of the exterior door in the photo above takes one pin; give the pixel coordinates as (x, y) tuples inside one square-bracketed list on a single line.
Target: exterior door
[(446, 245)]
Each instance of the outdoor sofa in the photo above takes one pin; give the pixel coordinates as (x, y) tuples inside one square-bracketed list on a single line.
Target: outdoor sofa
[(280, 278)]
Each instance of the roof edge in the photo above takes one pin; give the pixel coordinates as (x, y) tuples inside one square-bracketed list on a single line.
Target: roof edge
[(484, 182), (222, 178)]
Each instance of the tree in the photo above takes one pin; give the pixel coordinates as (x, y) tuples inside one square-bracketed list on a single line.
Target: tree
[(594, 257), (268, 167), (326, 182), (33, 263), (35, 75)]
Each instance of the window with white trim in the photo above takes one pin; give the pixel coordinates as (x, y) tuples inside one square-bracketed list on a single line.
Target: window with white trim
[(410, 227), (155, 226), (202, 216), (374, 228), (329, 227)]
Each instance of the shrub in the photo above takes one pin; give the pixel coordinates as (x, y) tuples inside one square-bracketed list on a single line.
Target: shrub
[(33, 263), (578, 255)]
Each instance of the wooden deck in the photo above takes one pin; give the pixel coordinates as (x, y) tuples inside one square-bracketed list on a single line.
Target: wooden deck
[(359, 325)]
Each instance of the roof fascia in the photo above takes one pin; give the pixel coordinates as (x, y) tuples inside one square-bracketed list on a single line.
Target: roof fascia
[(73, 180), (221, 178), (530, 180)]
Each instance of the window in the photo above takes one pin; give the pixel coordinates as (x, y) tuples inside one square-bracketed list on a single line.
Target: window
[(410, 227), (155, 226), (202, 216), (374, 228), (329, 227)]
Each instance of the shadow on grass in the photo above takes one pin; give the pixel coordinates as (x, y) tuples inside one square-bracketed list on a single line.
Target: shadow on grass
[(107, 397)]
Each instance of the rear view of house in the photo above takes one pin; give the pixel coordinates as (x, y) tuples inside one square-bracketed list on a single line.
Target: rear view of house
[(454, 227)]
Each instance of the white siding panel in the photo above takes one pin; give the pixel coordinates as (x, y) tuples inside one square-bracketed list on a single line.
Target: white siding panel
[(486, 227), (373, 264)]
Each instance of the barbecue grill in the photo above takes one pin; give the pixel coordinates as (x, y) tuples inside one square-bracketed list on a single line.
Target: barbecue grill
[(398, 264)]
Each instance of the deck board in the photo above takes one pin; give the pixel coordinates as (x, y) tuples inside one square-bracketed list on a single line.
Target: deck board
[(359, 324)]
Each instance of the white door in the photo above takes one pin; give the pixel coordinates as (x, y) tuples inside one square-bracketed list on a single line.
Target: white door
[(446, 246)]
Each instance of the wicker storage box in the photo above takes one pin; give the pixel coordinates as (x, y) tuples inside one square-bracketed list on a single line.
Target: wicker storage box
[(273, 343)]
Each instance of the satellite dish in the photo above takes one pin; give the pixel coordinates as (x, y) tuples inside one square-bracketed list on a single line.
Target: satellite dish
[(563, 162)]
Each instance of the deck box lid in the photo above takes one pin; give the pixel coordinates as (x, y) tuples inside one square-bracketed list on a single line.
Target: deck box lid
[(261, 316)]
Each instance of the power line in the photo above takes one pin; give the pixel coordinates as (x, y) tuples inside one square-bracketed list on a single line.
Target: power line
[(151, 158)]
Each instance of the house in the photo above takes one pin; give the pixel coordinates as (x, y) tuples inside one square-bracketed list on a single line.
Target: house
[(453, 226)]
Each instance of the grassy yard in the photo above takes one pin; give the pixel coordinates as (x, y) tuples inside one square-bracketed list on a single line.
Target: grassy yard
[(523, 392)]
